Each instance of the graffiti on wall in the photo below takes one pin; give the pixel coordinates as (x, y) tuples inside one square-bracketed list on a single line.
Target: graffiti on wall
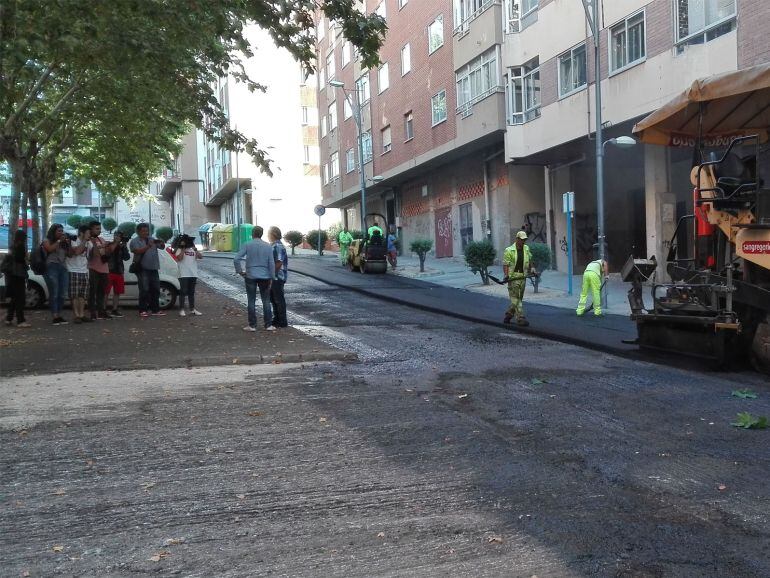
[(584, 231), (534, 225)]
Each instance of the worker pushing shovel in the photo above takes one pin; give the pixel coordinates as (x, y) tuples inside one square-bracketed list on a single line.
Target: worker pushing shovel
[(517, 266), (594, 279)]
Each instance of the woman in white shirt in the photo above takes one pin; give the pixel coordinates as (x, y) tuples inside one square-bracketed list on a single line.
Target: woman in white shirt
[(187, 255), (77, 265)]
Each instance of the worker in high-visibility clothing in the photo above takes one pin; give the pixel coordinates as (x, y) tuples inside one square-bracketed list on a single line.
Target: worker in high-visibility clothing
[(517, 266), (375, 229), (592, 281), (344, 239)]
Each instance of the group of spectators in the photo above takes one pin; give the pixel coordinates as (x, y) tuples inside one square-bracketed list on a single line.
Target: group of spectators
[(264, 267), (88, 269)]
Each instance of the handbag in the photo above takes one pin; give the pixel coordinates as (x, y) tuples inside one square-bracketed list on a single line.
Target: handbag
[(136, 265)]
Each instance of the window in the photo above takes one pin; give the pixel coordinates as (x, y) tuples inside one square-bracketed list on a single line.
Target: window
[(528, 6), (386, 141), (699, 21), (305, 114), (334, 165), (381, 10), (408, 126), (572, 70), (323, 126), (345, 54), (330, 66), (306, 154), (366, 143), (347, 110), (477, 79), (627, 43), (438, 108), (332, 116), (406, 59), (326, 173), (402, 3), (350, 161), (523, 98), (383, 81), (467, 10), (362, 85), (436, 34)]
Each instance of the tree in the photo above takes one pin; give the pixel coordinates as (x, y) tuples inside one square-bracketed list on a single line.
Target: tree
[(312, 239), (480, 255), (75, 221), (125, 80), (421, 247), (109, 224), (164, 233), (127, 228), (294, 239), (541, 260)]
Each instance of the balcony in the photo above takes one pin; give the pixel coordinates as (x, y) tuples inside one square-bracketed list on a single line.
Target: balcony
[(227, 189), (169, 184)]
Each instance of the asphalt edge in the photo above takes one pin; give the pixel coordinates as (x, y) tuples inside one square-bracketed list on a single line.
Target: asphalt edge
[(635, 355)]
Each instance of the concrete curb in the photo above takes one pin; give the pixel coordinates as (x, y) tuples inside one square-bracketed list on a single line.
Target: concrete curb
[(629, 354)]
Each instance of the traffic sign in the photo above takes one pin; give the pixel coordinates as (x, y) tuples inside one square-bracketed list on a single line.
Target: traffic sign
[(319, 210)]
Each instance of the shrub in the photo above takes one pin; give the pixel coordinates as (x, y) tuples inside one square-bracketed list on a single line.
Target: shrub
[(128, 229), (356, 233), (294, 239), (480, 255), (109, 224), (421, 247), (164, 233), (334, 231), (541, 260), (312, 240), (75, 221)]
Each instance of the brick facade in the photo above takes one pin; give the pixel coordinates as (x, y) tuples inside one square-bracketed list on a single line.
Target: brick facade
[(753, 33)]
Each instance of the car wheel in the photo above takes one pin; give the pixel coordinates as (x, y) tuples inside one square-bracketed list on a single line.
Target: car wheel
[(167, 297), (35, 296)]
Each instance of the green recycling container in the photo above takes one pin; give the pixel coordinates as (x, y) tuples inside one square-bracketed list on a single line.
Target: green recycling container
[(243, 234), (222, 237)]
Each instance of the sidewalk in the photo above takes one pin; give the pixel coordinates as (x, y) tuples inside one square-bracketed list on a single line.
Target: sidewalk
[(130, 343)]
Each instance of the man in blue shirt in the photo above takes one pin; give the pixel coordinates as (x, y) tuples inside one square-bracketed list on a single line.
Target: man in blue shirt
[(392, 249), (277, 297), (259, 274)]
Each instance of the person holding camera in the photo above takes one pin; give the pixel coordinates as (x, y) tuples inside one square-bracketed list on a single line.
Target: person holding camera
[(98, 272), (115, 281), (187, 255), (77, 265), (56, 245), (147, 261)]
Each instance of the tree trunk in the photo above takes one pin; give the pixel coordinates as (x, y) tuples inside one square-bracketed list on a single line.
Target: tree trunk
[(484, 272), (23, 211), (422, 262), (45, 203), (34, 199), (17, 170)]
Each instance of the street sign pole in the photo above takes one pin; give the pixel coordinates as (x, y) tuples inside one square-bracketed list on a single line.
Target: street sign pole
[(319, 210), (568, 200)]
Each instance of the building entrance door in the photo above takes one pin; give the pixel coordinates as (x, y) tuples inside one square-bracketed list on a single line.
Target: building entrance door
[(444, 232), (466, 224)]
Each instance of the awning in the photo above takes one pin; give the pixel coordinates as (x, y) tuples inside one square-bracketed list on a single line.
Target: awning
[(717, 108)]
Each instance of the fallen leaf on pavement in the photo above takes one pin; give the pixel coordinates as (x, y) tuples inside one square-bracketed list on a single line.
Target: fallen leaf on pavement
[(381, 535), (146, 486), (58, 548), (235, 360), (721, 487), (174, 541), (240, 496), (255, 413), (322, 419), (462, 396), (159, 556), (495, 540), (59, 492)]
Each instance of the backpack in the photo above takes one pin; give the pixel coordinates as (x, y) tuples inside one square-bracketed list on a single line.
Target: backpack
[(37, 261)]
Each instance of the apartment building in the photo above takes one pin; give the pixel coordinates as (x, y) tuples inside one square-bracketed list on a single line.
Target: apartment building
[(433, 122), (184, 188), (284, 121), (480, 131)]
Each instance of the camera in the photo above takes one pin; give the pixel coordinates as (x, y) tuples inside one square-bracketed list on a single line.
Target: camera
[(184, 241)]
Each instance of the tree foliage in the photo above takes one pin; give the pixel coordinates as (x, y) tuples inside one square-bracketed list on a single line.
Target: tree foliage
[(109, 224), (421, 247), (294, 239), (104, 91), (479, 256), (127, 228), (75, 221), (164, 233), (312, 239)]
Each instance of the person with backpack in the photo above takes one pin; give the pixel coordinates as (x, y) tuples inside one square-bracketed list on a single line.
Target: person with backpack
[(55, 246), (14, 268)]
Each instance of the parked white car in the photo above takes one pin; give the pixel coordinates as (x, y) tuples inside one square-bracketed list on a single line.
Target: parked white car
[(37, 290)]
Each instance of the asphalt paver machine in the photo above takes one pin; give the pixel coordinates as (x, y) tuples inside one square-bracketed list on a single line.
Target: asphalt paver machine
[(717, 303), (370, 254)]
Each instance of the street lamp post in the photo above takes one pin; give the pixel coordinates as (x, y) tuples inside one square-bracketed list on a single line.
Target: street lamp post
[(359, 127)]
